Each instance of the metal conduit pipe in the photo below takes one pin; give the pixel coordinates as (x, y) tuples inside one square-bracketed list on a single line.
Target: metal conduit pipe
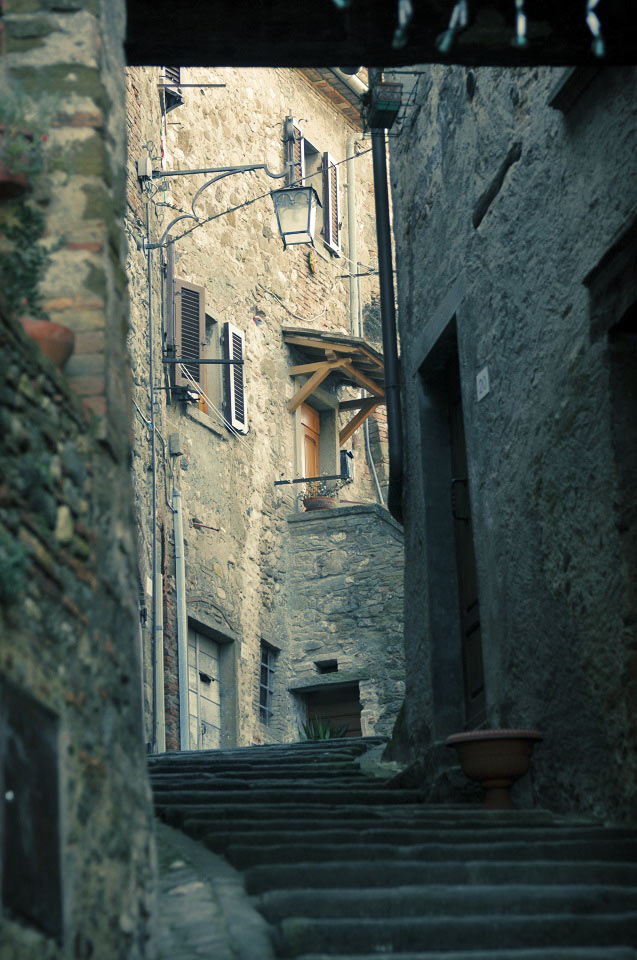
[(388, 317), (354, 290), (159, 731), (356, 86), (182, 620)]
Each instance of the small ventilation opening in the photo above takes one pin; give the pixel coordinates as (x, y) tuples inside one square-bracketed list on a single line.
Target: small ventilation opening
[(326, 666)]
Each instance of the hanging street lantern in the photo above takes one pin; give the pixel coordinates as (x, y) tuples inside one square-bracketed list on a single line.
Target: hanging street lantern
[(295, 209)]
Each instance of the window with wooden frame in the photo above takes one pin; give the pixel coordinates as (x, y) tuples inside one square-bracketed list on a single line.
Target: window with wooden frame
[(266, 681), (309, 167), (235, 401), (295, 153)]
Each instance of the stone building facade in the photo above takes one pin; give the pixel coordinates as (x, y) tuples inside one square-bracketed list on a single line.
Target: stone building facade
[(514, 199), (239, 558), (76, 813)]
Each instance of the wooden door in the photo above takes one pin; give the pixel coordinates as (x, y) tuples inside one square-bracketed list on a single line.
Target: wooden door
[(465, 555), (311, 431), (204, 692)]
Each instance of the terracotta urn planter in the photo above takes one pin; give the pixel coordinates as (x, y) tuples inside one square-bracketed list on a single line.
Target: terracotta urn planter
[(496, 759), (55, 341), (319, 503)]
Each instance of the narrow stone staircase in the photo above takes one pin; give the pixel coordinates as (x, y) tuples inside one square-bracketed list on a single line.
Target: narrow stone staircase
[(344, 867)]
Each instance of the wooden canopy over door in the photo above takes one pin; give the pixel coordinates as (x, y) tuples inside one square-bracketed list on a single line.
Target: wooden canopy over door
[(346, 360)]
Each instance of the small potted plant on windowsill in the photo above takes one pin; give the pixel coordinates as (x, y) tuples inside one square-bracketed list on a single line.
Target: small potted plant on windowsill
[(23, 131), (321, 494), (24, 259)]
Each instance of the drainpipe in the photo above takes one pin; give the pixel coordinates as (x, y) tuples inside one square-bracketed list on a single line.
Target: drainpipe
[(356, 86), (159, 731), (354, 290), (182, 621), (351, 237), (388, 317)]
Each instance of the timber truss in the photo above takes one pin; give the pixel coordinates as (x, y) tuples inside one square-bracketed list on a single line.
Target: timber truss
[(346, 360)]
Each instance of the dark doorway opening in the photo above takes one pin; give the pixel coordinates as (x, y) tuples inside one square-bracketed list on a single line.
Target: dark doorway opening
[(340, 705), (453, 607)]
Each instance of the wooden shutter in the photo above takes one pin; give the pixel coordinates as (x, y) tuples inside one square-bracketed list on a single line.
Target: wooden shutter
[(173, 75), (295, 154), (190, 330), (235, 398), (331, 208), (171, 324), (172, 95)]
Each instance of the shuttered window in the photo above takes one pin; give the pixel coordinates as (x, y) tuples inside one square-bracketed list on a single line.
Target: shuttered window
[(235, 395), (173, 75), (189, 331), (295, 154), (331, 207), (173, 96)]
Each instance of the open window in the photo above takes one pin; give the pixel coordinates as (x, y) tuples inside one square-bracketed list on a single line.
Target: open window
[(310, 167)]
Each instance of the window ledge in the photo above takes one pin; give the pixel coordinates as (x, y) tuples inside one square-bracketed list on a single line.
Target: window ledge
[(202, 418)]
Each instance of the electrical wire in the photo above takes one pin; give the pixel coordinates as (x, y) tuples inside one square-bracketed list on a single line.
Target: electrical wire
[(291, 312), (262, 196), (186, 373)]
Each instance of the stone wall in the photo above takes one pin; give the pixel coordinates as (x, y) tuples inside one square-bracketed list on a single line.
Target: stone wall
[(503, 206), (345, 601), (235, 519), (69, 655)]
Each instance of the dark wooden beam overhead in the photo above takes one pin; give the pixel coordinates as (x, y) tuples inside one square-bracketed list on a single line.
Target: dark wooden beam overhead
[(289, 33)]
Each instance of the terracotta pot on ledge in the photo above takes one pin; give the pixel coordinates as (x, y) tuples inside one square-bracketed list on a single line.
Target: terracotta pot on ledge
[(496, 759), (319, 503), (55, 341)]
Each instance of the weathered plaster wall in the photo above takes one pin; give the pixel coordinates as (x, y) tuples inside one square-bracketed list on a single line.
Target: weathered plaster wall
[(235, 549), (344, 586), (558, 625), (68, 612)]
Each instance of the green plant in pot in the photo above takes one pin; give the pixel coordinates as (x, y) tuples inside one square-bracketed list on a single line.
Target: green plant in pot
[(24, 129), (321, 494), (23, 257)]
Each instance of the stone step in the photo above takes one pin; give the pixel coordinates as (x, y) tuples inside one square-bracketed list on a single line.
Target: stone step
[(323, 768), (248, 855), (295, 935), (433, 900), (543, 953), (354, 745), (390, 831), (469, 816), (219, 837), (211, 781), (366, 874), (287, 794)]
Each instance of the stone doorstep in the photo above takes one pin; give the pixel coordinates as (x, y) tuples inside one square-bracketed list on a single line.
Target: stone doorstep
[(203, 907)]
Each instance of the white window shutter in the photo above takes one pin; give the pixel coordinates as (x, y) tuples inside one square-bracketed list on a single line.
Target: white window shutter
[(331, 204), (189, 330), (235, 398)]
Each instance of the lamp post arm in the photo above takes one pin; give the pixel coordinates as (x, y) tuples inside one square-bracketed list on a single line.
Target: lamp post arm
[(220, 173)]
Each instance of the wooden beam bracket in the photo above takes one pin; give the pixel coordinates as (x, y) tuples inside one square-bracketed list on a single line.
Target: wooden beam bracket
[(369, 406)]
